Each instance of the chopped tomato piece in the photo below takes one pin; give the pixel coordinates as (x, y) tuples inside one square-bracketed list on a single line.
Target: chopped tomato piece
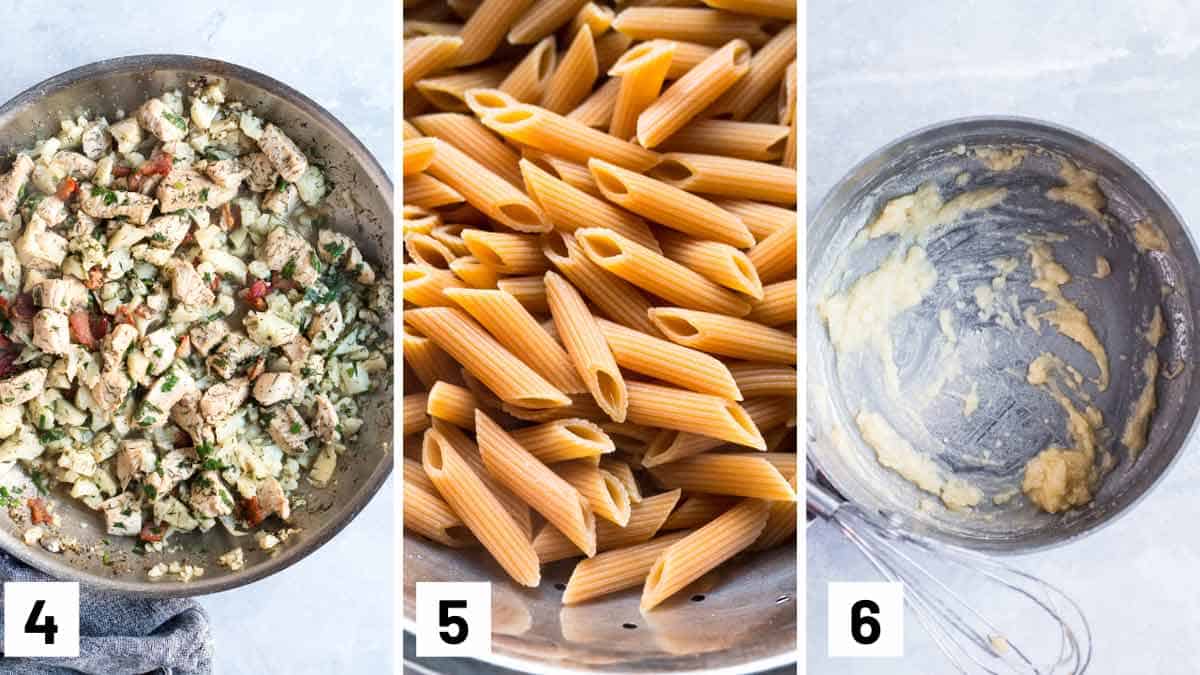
[(151, 533), (123, 315), (185, 347), (37, 511), (253, 511), (66, 188), (95, 278), (227, 219), (121, 171), (8, 362), (81, 329), (22, 306), (257, 369), (280, 283), (160, 165)]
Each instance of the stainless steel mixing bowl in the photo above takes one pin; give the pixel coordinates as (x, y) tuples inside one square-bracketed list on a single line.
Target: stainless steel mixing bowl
[(361, 201), (1013, 424)]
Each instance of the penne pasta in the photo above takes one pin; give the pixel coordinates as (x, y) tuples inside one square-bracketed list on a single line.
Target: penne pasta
[(415, 420), (609, 48), (767, 68), (469, 452), (529, 291), (719, 263), (473, 272), (507, 253), (657, 274), (580, 406), (745, 140), (694, 511), (596, 17), (426, 513), (596, 111), (775, 256), (450, 236), (569, 208), (590, 354), (777, 305), (775, 9), (486, 191), (788, 115), (764, 379), (575, 175), (427, 251), (448, 92), (527, 81), (761, 219), (486, 28), (701, 25), (463, 9), (669, 408), (425, 286), (669, 362), (728, 177), (691, 94), (606, 494), (573, 78), (539, 487), (687, 55), (739, 475), (780, 526), (645, 520), (415, 28), (428, 192), (724, 335), (766, 413), (642, 71), (428, 362), (428, 54), (617, 299), (616, 570), (564, 440), (418, 155), (473, 139), (622, 472), (543, 18), (452, 403), (410, 132)]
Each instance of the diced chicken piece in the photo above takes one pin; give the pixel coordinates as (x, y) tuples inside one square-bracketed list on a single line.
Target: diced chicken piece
[(65, 295), (223, 399), (297, 350), (187, 189), (283, 154), (123, 515), (287, 252), (262, 174), (51, 332), (10, 265), (188, 287), (361, 269), (289, 430), (269, 330), (135, 459), (159, 347), (22, 445), (235, 352), (168, 231), (327, 324), (186, 414), (325, 420), (107, 204), (206, 336), (73, 164), (11, 184), (110, 390), (210, 498), (174, 468), (162, 397), (271, 498), (332, 246), (158, 119), (116, 343), (51, 210), (40, 249), (281, 202), (96, 140), (82, 224), (22, 388), (271, 388), (127, 133), (228, 173), (126, 236)]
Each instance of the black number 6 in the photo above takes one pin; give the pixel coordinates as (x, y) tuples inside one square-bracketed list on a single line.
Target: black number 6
[(445, 620), (49, 628), (864, 629)]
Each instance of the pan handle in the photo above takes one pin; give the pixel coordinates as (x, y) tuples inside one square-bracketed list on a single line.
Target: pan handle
[(821, 501)]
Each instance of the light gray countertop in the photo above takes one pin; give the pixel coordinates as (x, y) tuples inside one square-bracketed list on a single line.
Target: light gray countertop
[(331, 612), (1125, 73)]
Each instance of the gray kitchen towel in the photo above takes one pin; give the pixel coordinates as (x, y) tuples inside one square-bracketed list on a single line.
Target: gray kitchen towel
[(123, 635)]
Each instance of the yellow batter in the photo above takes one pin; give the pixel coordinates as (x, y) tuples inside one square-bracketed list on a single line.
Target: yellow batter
[(895, 452), (1061, 478)]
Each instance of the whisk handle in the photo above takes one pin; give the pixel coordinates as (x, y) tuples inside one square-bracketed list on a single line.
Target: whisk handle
[(821, 501)]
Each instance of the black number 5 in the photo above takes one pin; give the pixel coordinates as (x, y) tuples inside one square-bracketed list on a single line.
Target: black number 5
[(864, 629), (49, 628), (445, 620)]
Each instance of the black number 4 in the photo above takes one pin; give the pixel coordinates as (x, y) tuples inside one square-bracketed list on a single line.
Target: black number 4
[(48, 627), (445, 620), (864, 629)]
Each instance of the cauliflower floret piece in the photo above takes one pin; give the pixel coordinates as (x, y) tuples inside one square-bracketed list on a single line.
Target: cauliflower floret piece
[(123, 514), (11, 185), (282, 200), (51, 210), (188, 287), (127, 134), (164, 123), (325, 420), (95, 139), (40, 249), (322, 467), (67, 163), (10, 266), (78, 462), (126, 236), (283, 154), (170, 510), (228, 173), (24, 445), (327, 324), (289, 431), (269, 329), (223, 399), (271, 388), (206, 336), (167, 232), (51, 333), (187, 189), (22, 388), (159, 348), (10, 420), (116, 343), (311, 186)]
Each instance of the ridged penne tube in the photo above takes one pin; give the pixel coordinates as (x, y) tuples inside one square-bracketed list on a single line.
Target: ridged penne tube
[(688, 96), (425, 55), (427, 251), (575, 175), (426, 513), (777, 305), (766, 413), (487, 191), (451, 237), (528, 79), (645, 520), (739, 475), (642, 71), (789, 95), (417, 220), (564, 440), (569, 208), (571, 140), (717, 262), (616, 298), (539, 487), (590, 354), (447, 92), (467, 134), (623, 472), (668, 205), (629, 430), (780, 526), (415, 28), (452, 403), (687, 55), (415, 103), (418, 155), (573, 78), (485, 358), (658, 406), (474, 272), (428, 192), (693, 511), (508, 253), (543, 18), (761, 219), (725, 335), (696, 554), (605, 493), (425, 286), (581, 405), (704, 26), (515, 328), (728, 177), (469, 452), (663, 360), (784, 463), (764, 379), (656, 273), (596, 111), (529, 291), (415, 420), (427, 360), (479, 510), (410, 132), (776, 9), (775, 256), (486, 28), (616, 570), (767, 111), (767, 68), (599, 19), (745, 140), (485, 102)]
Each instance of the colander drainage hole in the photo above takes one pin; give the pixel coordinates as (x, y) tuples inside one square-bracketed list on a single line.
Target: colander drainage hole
[(561, 586), (782, 599), (629, 626), (698, 598)]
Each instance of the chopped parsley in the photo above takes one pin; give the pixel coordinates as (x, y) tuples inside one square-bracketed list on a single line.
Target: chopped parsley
[(51, 435), (289, 269), (109, 197), (7, 500), (159, 237), (281, 184), (39, 481), (212, 464), (335, 249), (170, 380), (147, 421), (204, 195), (175, 119), (150, 490), (295, 428)]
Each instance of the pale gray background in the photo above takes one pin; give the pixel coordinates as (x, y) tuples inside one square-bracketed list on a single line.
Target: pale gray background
[(1127, 73), (331, 612)]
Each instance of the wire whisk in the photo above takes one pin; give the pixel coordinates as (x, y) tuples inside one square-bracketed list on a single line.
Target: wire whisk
[(971, 642)]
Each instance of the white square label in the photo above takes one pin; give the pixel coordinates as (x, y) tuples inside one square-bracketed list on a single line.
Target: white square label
[(866, 619), (41, 618), (454, 618)]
